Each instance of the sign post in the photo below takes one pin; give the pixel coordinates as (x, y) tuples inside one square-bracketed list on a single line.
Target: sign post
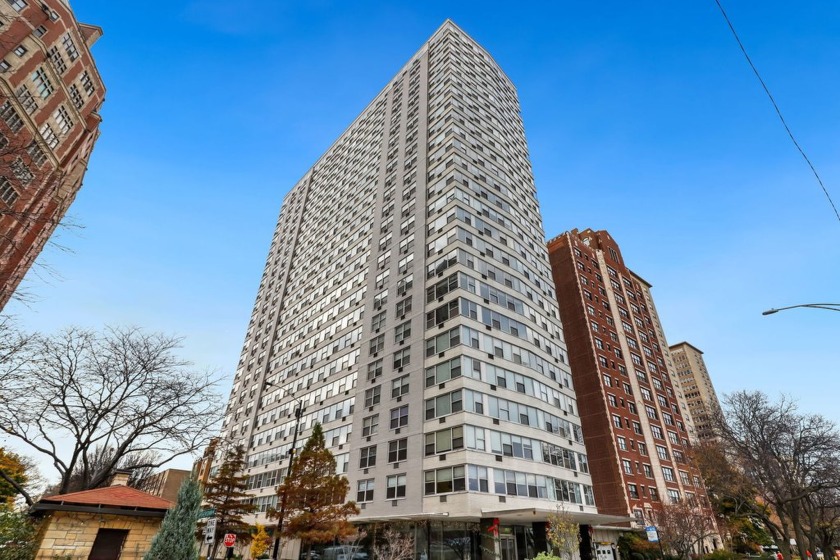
[(210, 534), (653, 536)]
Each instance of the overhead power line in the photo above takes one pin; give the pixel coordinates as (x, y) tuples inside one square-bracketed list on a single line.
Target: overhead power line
[(778, 111)]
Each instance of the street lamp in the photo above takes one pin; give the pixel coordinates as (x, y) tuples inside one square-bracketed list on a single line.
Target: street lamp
[(827, 306), (282, 513)]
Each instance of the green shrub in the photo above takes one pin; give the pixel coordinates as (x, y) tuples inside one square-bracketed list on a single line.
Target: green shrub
[(721, 554)]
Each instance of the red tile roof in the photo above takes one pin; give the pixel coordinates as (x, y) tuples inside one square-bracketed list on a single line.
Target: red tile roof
[(113, 496)]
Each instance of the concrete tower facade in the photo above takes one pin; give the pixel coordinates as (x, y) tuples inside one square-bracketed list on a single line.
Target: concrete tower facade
[(50, 96), (632, 409), (407, 305), (700, 395)]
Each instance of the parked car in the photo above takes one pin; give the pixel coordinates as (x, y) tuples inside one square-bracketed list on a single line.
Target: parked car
[(344, 552)]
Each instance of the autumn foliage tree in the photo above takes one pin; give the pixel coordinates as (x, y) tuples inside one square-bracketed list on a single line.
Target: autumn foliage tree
[(14, 474), (260, 543), (315, 494), (562, 533)]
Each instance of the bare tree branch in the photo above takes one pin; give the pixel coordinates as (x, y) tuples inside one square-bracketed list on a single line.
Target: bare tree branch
[(106, 397)]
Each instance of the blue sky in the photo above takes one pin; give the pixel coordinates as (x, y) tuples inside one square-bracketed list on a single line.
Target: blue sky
[(642, 119)]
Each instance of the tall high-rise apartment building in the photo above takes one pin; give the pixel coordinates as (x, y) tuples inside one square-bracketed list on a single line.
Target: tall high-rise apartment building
[(407, 303), (632, 411), (50, 95), (703, 404)]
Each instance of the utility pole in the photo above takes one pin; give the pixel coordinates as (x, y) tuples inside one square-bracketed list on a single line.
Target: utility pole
[(298, 414)]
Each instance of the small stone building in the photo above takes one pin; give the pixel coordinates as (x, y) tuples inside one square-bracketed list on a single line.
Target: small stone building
[(111, 523)]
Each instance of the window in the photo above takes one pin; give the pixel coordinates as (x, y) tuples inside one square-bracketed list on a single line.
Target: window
[(403, 307), (642, 449), (661, 451), (374, 370), (397, 450), (380, 299), (402, 332), (367, 457), (668, 474), (76, 97), (49, 135), (627, 466), (444, 404), (399, 417), (18, 5), (633, 491), (616, 420), (26, 99), (40, 31), (87, 83), (378, 321), (4, 65), (372, 395), (674, 496), (622, 443), (656, 431), (63, 120), (445, 480), (370, 425), (22, 172), (395, 487), (443, 372), (365, 491), (405, 284), (43, 85), (8, 194), (399, 387), (20, 50), (647, 470), (404, 264), (70, 47), (11, 117), (57, 60), (637, 428), (449, 439), (377, 343), (402, 358), (38, 156)]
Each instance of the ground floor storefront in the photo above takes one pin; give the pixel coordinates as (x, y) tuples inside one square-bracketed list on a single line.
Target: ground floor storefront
[(430, 538)]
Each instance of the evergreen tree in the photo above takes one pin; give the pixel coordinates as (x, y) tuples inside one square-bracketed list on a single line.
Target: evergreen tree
[(315, 495), (176, 540), (225, 493)]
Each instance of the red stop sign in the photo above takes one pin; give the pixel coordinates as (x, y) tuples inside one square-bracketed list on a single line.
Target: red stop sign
[(230, 539)]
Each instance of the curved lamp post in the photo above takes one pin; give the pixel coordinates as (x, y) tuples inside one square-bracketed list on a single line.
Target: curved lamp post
[(827, 306)]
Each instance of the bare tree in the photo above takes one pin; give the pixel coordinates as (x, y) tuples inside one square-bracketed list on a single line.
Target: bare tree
[(734, 498), (683, 526), (787, 457), (88, 401), (138, 464), (394, 544)]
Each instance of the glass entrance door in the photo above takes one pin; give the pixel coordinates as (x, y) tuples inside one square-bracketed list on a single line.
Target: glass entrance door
[(507, 545)]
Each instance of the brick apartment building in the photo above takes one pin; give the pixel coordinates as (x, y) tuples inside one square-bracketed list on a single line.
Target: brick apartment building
[(634, 417), (50, 96)]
